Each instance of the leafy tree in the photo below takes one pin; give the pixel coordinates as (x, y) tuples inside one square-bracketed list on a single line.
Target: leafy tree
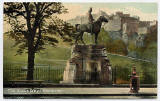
[(116, 46), (132, 46), (34, 25), (104, 37), (152, 36), (112, 46)]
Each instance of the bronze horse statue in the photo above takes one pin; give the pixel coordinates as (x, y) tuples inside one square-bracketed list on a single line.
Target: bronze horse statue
[(93, 28)]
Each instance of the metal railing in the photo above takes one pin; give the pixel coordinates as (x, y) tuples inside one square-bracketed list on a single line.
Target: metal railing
[(48, 73), (54, 74), (122, 76)]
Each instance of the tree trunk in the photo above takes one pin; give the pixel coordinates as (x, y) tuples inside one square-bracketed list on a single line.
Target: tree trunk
[(31, 56)]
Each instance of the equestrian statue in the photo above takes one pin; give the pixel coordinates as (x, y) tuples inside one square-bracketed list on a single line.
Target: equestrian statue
[(92, 27)]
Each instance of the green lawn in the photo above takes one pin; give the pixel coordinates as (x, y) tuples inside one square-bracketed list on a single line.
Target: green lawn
[(56, 57)]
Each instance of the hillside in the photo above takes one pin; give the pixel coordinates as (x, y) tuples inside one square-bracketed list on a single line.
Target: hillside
[(44, 57), (59, 54), (56, 57)]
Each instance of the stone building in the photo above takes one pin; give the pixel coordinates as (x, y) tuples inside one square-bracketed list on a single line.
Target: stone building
[(140, 40), (114, 23), (144, 27), (129, 27), (88, 64), (128, 24)]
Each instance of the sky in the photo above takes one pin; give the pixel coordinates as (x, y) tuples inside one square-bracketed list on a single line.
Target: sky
[(146, 11)]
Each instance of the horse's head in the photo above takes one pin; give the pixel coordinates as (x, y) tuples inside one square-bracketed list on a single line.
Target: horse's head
[(103, 19)]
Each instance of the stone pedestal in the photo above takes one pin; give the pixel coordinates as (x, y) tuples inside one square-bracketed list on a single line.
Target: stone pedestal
[(69, 73), (88, 64)]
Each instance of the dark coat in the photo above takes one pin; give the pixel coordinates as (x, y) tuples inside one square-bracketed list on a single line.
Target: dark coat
[(90, 17)]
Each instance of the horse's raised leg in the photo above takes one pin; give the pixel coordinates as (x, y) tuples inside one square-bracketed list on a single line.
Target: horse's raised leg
[(96, 36), (82, 38), (77, 37)]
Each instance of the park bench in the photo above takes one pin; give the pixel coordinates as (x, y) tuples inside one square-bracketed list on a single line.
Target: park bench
[(13, 82)]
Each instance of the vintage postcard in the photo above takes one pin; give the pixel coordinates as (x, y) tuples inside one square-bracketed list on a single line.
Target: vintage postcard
[(87, 50)]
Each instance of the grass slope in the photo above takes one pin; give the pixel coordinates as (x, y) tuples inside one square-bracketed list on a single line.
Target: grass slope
[(56, 58)]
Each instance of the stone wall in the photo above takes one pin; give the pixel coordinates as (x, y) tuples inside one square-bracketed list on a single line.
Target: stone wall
[(123, 26), (143, 30), (130, 28), (127, 24), (114, 24)]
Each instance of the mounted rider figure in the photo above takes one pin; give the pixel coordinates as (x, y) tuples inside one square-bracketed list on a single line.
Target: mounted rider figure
[(90, 20), (90, 17), (92, 27)]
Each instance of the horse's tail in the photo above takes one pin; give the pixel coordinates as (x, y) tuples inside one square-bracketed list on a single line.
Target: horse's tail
[(76, 25)]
